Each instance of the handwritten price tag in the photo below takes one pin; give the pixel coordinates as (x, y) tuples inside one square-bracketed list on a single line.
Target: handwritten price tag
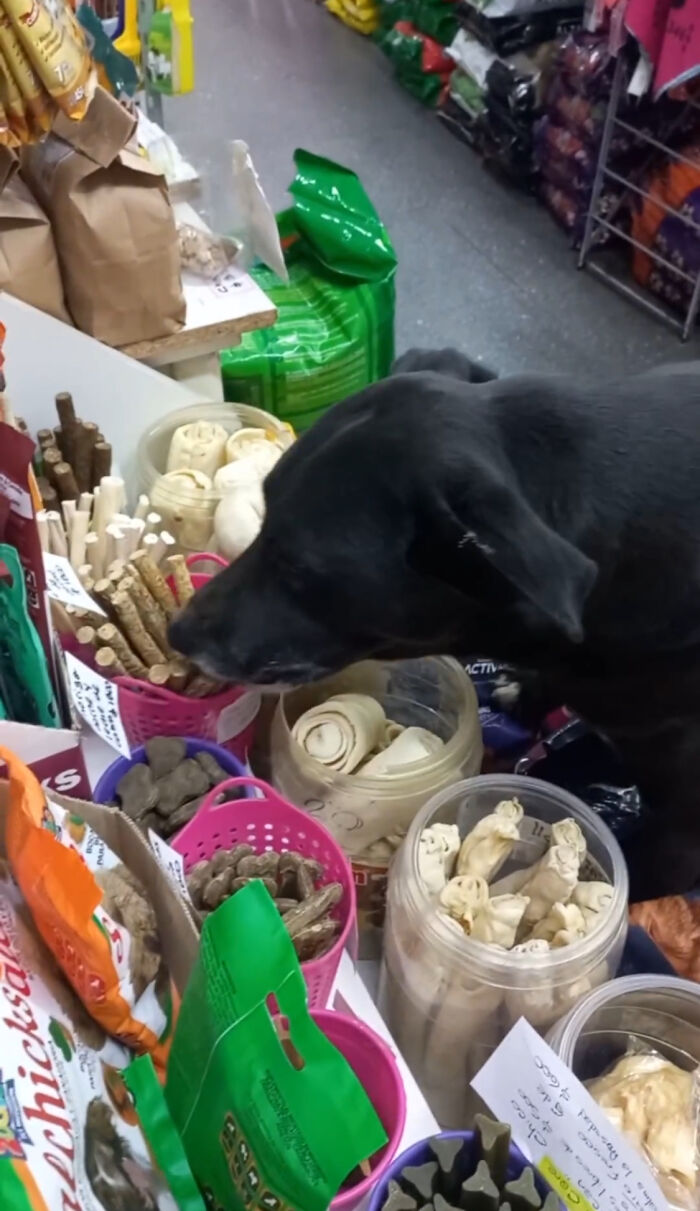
[(560, 1128), (62, 584), (97, 700), (171, 862)]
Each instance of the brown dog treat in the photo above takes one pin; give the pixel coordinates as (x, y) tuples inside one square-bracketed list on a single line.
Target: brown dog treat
[(86, 636), (65, 481), (137, 791), (134, 630), (239, 851), (285, 904), (125, 901), (45, 438), (51, 458), (291, 863), (316, 939), (155, 582), (49, 495), (197, 879), (180, 672), (109, 663), (216, 890), (85, 438), (186, 782), (311, 910), (164, 754), (258, 865), (152, 615), (305, 882), (158, 674), (215, 773), (181, 575), (101, 460), (68, 421), (221, 862), (180, 817), (111, 637), (240, 882)]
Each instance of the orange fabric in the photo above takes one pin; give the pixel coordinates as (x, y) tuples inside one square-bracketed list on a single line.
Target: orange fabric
[(674, 924), (671, 185), (63, 895)]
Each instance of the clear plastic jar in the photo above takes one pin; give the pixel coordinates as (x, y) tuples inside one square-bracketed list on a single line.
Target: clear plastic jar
[(450, 1000), (658, 1013), (189, 518), (434, 693)]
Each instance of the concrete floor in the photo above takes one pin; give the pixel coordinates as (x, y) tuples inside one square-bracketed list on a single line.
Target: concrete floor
[(481, 266)]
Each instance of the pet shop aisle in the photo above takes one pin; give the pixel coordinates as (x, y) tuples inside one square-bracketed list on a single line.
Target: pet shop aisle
[(480, 266)]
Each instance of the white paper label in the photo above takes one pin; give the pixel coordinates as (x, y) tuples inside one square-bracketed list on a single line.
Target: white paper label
[(171, 862), (19, 498), (97, 700), (235, 718), (62, 584), (561, 1130)]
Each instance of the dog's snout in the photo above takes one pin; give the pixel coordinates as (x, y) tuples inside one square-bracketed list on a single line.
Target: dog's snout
[(182, 634)]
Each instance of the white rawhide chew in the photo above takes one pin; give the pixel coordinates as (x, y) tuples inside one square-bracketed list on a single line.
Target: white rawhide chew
[(256, 447), (563, 924), (438, 846), (553, 879), (594, 900), (463, 897), (490, 842), (182, 498), (199, 446), (497, 922), (568, 832), (238, 519), (412, 744), (341, 732)]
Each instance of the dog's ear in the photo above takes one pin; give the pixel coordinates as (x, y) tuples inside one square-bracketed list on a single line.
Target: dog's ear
[(495, 519)]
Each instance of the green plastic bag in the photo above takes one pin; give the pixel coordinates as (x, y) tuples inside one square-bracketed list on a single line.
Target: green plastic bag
[(335, 330), (26, 692), (260, 1132)]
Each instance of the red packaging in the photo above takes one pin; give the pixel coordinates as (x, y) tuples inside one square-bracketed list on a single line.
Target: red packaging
[(20, 529)]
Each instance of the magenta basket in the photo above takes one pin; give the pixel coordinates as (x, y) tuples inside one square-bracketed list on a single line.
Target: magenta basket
[(149, 710), (267, 823)]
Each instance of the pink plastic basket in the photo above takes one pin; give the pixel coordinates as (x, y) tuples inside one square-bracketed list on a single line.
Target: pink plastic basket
[(267, 823), (148, 710)]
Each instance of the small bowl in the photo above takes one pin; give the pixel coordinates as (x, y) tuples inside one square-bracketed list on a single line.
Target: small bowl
[(376, 1069), (419, 1153), (106, 789)]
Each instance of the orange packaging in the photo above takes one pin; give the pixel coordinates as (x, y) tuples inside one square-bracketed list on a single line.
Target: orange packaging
[(92, 913), (54, 42), (36, 102)]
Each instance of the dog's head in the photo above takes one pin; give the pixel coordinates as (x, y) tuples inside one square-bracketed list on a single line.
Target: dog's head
[(395, 527)]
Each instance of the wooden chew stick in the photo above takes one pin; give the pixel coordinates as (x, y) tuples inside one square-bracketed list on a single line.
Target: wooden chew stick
[(85, 438), (101, 461), (152, 616), (109, 663), (68, 421), (68, 510), (45, 438), (42, 526), (85, 573), (49, 495), (85, 502), (154, 581), (57, 538), (182, 578), (86, 636), (110, 636), (116, 543), (93, 554), (52, 456), (159, 674), (179, 674), (134, 630), (61, 619), (155, 548), (78, 534), (65, 481)]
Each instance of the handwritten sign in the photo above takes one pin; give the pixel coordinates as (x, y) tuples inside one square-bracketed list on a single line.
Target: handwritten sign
[(62, 584), (557, 1124), (97, 700), (171, 862)]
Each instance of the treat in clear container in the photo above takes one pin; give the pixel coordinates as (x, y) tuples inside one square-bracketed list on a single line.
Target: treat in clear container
[(203, 253)]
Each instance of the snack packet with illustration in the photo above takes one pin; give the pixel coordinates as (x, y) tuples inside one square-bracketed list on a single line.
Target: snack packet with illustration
[(261, 1126), (71, 1138), (54, 43), (93, 913)]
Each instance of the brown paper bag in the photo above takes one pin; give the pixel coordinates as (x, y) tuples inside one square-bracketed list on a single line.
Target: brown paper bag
[(113, 225), (28, 262)]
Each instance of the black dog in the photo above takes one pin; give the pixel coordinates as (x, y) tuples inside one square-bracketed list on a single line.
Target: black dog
[(534, 519)]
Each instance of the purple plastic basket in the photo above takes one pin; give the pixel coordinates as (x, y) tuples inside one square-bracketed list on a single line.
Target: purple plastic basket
[(419, 1153), (106, 789)]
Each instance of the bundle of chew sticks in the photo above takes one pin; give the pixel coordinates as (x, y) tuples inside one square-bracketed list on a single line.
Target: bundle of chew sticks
[(132, 639), (83, 518)]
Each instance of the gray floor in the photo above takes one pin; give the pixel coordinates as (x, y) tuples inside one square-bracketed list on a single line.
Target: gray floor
[(480, 266)]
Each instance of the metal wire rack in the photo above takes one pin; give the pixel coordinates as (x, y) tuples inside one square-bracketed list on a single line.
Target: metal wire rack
[(592, 255)]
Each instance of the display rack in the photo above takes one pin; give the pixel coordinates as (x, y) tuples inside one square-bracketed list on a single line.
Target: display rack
[(592, 254)]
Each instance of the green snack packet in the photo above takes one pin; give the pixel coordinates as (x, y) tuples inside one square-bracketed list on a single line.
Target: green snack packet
[(261, 1131), (335, 329), (26, 691)]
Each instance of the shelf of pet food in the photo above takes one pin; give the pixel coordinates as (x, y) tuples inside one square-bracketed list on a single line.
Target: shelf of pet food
[(353, 991)]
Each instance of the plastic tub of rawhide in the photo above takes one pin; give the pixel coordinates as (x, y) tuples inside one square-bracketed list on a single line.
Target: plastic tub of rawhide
[(193, 458), (363, 751), (508, 899), (628, 1031)]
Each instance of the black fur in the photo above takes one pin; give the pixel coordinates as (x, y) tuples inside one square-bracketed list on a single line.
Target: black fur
[(535, 519)]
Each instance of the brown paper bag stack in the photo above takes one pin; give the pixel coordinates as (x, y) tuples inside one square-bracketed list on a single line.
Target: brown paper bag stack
[(28, 263), (113, 225)]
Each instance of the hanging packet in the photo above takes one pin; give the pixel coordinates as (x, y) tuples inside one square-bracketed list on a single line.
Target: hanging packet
[(259, 1130), (335, 329), (18, 526), (25, 684)]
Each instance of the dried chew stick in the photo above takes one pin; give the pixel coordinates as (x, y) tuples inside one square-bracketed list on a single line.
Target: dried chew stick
[(159, 674), (134, 630), (152, 616), (85, 438), (109, 663), (182, 578), (101, 461), (155, 582), (111, 637)]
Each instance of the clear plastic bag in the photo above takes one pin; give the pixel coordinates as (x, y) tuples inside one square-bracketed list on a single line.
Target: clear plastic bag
[(203, 253), (655, 1104)]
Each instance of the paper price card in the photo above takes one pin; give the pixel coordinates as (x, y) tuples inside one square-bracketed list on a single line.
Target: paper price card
[(171, 862), (62, 584), (97, 700), (560, 1128)]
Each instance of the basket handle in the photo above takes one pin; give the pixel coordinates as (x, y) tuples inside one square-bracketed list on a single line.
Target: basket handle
[(209, 806), (200, 556), (159, 692)]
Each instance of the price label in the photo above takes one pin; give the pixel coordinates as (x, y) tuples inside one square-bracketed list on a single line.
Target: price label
[(566, 1135), (171, 862), (97, 700), (62, 584)]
